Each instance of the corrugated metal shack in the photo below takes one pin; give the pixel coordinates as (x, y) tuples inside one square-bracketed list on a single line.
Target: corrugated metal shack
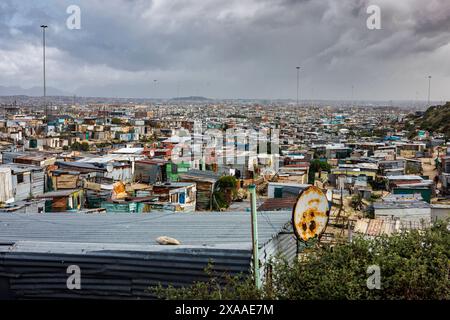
[(63, 200), (62, 179), (119, 257), (27, 180), (150, 171), (205, 181)]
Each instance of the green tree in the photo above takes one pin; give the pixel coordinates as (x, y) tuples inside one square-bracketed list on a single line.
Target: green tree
[(116, 121), (225, 191), (84, 146), (317, 165), (413, 265), (76, 146)]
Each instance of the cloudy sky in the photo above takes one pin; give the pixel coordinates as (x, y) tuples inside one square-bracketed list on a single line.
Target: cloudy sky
[(230, 48)]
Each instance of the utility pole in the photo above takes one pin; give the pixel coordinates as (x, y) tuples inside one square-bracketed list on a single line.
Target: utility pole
[(255, 245), (298, 81), (429, 90), (353, 99), (43, 59)]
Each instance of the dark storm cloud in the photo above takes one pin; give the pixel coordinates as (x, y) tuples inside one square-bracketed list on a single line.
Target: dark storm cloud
[(228, 48)]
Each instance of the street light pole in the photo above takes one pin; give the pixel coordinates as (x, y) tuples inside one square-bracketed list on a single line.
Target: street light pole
[(429, 90), (255, 244), (298, 80), (353, 98), (43, 55)]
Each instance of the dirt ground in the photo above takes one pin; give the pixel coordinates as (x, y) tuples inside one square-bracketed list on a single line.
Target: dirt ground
[(429, 168)]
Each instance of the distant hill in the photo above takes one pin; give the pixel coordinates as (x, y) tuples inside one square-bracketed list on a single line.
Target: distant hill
[(191, 98), (435, 119), (32, 92)]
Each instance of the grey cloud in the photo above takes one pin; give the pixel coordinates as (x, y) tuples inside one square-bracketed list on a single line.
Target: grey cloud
[(243, 48)]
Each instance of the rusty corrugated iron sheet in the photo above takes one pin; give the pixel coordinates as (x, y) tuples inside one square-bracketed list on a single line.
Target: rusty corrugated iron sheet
[(277, 204)]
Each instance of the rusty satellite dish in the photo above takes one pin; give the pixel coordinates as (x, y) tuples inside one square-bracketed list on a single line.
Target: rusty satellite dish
[(310, 214)]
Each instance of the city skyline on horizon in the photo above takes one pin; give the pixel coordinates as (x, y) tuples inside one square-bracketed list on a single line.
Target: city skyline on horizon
[(229, 51)]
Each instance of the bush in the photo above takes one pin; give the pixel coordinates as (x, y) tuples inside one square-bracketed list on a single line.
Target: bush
[(76, 146), (317, 165), (413, 265), (116, 121), (225, 191)]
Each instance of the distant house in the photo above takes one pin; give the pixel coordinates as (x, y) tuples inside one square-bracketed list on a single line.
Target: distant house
[(440, 211), (392, 167), (35, 158), (97, 170), (64, 179), (278, 204), (150, 171), (6, 190), (404, 180), (205, 181), (27, 181), (181, 195), (297, 173), (403, 207), (129, 205), (285, 189), (63, 200)]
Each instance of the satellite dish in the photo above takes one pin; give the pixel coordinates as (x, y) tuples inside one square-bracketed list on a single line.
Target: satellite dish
[(109, 167), (330, 195), (310, 214)]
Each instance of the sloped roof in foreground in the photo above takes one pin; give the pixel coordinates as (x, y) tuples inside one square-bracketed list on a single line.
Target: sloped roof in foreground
[(118, 256), (194, 229)]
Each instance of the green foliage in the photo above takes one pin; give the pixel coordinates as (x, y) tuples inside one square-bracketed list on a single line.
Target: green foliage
[(76, 146), (413, 265), (116, 121), (217, 287), (317, 165), (225, 191), (103, 144), (374, 197), (435, 119), (356, 201), (226, 182)]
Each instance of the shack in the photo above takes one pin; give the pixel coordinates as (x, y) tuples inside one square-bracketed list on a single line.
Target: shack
[(182, 195), (63, 200), (27, 181), (205, 181), (64, 179), (150, 171)]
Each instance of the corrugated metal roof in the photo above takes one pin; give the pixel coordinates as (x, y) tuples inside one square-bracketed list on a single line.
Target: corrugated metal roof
[(112, 274), (118, 256), (189, 228), (402, 205), (19, 168), (200, 175), (58, 193), (273, 204)]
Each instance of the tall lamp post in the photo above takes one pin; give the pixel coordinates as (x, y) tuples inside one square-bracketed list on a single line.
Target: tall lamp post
[(298, 80), (43, 55), (429, 90)]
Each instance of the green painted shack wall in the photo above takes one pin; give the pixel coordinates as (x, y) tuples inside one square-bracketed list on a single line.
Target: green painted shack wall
[(128, 207), (426, 193), (181, 168)]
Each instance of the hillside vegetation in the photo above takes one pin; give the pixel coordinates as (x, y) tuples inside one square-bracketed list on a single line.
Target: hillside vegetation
[(436, 119)]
